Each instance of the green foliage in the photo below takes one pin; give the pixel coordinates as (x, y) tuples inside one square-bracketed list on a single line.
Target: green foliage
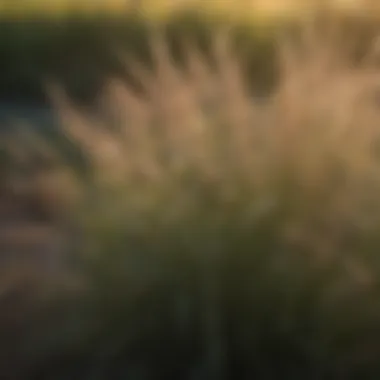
[(81, 52)]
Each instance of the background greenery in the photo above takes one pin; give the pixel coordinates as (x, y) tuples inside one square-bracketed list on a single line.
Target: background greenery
[(80, 49)]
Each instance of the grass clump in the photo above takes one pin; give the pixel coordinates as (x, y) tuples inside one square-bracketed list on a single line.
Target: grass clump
[(223, 235)]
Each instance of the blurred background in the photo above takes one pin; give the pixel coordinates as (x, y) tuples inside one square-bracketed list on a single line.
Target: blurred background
[(189, 189)]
